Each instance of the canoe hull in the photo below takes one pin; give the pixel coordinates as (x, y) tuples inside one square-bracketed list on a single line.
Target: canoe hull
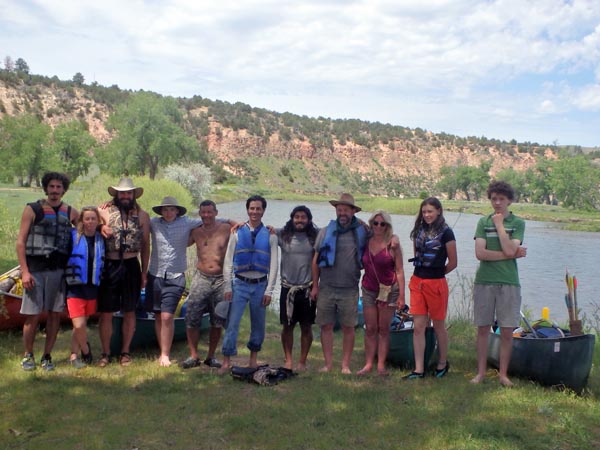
[(401, 352), (12, 319), (563, 362), (145, 334)]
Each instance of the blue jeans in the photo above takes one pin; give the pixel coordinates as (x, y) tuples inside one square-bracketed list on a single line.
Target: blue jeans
[(252, 294)]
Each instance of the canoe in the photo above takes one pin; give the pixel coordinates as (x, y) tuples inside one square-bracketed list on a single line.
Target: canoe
[(401, 352), (11, 317), (562, 362), (145, 334)]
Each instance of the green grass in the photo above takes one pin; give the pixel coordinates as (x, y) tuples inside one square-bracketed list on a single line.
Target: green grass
[(147, 407)]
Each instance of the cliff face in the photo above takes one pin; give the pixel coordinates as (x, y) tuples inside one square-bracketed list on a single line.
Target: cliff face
[(417, 156)]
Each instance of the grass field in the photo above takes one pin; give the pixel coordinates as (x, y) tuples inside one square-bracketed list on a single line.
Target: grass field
[(148, 407)]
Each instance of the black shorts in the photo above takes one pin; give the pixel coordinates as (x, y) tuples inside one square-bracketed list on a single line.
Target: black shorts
[(305, 311), (120, 293)]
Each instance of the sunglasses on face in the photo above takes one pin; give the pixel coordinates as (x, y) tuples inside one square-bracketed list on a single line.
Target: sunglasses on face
[(379, 224)]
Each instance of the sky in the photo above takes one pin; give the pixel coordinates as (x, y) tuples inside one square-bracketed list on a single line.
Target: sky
[(506, 69)]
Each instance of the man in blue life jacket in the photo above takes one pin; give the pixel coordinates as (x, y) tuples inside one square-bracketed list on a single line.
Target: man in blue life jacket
[(43, 250), (249, 273), (336, 270)]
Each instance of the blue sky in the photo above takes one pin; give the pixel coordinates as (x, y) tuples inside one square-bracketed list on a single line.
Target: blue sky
[(522, 69)]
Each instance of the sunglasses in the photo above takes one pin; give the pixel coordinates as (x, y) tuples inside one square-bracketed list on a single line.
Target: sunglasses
[(379, 224)]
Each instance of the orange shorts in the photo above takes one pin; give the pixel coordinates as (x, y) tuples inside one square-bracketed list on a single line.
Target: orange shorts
[(429, 297), (79, 307)]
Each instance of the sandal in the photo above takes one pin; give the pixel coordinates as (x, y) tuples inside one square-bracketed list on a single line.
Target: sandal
[(104, 360), (125, 359)]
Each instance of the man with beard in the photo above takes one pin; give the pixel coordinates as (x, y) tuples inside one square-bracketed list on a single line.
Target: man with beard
[(43, 250), (123, 276), (297, 239), (336, 270)]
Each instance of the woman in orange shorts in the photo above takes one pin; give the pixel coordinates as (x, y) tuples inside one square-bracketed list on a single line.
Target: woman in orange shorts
[(83, 277), (435, 255)]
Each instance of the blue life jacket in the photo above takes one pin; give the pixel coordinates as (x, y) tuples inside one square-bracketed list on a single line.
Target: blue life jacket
[(253, 250), (427, 249), (77, 268), (327, 250)]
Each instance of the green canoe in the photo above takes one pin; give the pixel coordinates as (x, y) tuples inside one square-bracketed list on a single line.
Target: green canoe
[(145, 335), (562, 362), (401, 353)]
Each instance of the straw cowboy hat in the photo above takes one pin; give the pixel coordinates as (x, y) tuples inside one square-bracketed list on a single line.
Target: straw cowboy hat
[(125, 184), (169, 201), (346, 199)]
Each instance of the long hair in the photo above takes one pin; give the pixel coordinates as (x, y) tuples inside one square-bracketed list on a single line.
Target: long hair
[(288, 229), (437, 224), (389, 231)]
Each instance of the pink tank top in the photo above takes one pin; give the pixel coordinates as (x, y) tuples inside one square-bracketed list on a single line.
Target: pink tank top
[(383, 264)]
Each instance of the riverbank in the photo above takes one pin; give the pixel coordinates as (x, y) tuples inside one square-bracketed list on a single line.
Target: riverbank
[(148, 407), (568, 219)]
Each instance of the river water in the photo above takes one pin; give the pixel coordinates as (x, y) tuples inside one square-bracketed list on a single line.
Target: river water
[(550, 252)]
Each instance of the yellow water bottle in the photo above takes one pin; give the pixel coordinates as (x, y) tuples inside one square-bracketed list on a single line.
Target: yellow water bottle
[(545, 313)]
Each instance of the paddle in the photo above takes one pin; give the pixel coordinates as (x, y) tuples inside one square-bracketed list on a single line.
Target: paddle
[(575, 312), (535, 335)]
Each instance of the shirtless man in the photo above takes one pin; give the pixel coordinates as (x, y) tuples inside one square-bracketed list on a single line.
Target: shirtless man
[(206, 291)]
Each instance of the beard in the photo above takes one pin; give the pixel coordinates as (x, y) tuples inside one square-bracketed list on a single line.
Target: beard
[(125, 206), (300, 227)]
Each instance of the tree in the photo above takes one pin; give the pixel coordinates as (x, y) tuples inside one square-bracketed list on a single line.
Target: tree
[(21, 66), (517, 180), (471, 181), (9, 65), (149, 135), (73, 145), (78, 79), (24, 149), (576, 183)]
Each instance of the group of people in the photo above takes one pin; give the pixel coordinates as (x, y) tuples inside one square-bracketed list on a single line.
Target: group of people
[(99, 259)]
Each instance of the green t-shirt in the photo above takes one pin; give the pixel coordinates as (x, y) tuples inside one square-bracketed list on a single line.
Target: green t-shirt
[(499, 272)]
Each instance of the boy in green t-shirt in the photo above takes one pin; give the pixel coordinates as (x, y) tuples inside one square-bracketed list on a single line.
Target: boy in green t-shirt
[(497, 291)]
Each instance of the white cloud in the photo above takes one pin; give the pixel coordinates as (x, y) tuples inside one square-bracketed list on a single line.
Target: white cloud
[(527, 57)]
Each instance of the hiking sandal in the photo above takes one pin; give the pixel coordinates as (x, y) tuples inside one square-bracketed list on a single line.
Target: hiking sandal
[(125, 359), (104, 360)]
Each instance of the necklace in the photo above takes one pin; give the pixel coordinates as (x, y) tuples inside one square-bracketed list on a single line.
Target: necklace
[(208, 236)]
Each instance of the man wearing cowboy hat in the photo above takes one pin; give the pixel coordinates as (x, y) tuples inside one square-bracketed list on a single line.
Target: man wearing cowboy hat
[(336, 270), (170, 234), (129, 230)]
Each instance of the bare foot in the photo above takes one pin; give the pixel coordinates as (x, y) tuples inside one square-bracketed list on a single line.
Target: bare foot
[(164, 361), (477, 379), (346, 371), (288, 365), (325, 369), (301, 367), (382, 372), (504, 381), (224, 369), (365, 370)]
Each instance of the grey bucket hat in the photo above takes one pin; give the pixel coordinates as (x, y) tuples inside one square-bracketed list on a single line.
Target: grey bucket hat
[(169, 201)]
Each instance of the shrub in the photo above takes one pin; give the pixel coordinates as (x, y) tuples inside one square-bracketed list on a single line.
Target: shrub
[(196, 178)]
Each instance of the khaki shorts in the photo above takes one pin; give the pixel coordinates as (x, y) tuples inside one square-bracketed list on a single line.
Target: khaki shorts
[(502, 299), (337, 302)]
